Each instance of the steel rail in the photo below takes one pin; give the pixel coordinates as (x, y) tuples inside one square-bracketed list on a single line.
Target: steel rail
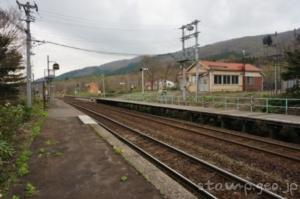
[(230, 132), (223, 172), (214, 136)]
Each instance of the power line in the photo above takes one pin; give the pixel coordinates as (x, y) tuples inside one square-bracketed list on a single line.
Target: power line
[(96, 26), (81, 38), (89, 50), (88, 20)]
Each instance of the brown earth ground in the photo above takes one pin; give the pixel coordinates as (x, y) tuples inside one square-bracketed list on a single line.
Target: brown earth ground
[(70, 161)]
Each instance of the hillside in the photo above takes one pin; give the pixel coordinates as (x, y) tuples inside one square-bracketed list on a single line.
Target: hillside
[(220, 50), (107, 68)]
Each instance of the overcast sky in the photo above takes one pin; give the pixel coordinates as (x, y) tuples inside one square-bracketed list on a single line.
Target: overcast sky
[(146, 26)]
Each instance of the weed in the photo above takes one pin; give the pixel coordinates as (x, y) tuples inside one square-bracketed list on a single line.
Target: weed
[(42, 150), (57, 154), (21, 162), (45, 114), (124, 178), (30, 190), (6, 151), (35, 131), (15, 197), (118, 150), (23, 169), (50, 142)]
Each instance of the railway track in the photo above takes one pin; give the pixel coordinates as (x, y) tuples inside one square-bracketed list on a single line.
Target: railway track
[(261, 145), (186, 168)]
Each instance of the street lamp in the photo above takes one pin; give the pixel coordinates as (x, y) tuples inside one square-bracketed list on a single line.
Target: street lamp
[(142, 70), (50, 77)]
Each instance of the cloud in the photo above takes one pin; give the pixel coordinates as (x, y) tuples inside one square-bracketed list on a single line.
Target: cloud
[(148, 26)]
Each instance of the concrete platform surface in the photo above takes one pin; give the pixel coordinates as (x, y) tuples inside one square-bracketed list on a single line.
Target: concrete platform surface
[(71, 161), (288, 119)]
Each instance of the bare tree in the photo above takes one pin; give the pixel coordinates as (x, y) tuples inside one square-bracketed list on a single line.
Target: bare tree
[(12, 27), (154, 69)]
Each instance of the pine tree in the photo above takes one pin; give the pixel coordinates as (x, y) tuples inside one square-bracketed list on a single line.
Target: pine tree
[(11, 77)]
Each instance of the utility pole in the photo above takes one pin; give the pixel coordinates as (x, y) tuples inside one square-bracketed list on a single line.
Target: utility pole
[(197, 58), (244, 70), (275, 65), (143, 89), (103, 85), (44, 96), (49, 81), (143, 82), (182, 65), (193, 26), (27, 9)]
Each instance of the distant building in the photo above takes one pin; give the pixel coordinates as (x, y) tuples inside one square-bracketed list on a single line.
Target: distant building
[(169, 84), (92, 88), (289, 84), (160, 84), (221, 76)]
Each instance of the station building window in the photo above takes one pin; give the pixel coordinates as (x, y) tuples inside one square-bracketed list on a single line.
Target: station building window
[(226, 79), (234, 79), (218, 79)]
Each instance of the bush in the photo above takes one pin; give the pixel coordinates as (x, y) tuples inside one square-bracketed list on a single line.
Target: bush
[(6, 151), (294, 91), (27, 113), (14, 152), (11, 117)]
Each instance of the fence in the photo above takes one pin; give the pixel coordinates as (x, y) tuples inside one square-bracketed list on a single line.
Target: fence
[(267, 105)]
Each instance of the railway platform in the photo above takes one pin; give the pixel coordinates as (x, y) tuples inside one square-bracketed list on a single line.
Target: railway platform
[(71, 160), (278, 126)]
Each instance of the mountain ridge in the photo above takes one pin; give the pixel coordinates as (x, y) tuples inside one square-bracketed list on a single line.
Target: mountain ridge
[(222, 49)]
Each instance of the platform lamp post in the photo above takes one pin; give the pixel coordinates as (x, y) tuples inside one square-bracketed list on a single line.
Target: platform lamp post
[(55, 68), (143, 82), (50, 77)]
